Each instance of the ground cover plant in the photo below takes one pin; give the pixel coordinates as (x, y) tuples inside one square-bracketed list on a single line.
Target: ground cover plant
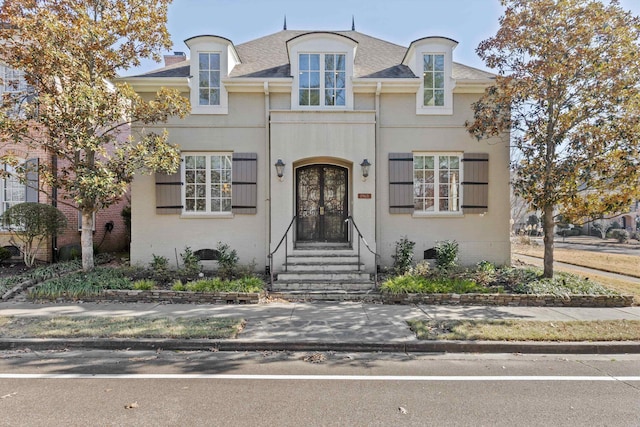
[(38, 274), (120, 327), (526, 330), (158, 276), (487, 278)]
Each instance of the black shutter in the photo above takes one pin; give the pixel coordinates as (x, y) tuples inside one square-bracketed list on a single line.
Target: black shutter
[(401, 183), (244, 183), (476, 183)]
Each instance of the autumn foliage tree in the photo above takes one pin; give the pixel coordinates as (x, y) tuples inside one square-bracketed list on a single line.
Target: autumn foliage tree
[(568, 89), (70, 52)]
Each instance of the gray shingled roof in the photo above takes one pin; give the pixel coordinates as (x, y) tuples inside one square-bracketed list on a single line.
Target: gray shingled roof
[(267, 57)]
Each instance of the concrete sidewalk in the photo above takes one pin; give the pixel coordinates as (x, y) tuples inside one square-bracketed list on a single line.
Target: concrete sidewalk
[(344, 326)]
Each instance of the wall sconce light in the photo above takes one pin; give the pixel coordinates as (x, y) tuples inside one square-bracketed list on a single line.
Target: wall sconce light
[(365, 169), (279, 169)]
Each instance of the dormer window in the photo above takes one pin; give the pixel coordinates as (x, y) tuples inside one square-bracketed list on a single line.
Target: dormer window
[(433, 78), (212, 59), (209, 81), (322, 74), (322, 70), (431, 59)]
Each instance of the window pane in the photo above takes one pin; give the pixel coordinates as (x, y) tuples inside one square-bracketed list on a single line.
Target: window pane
[(418, 162), (201, 191), (314, 80), (444, 162), (428, 190), (444, 191), (438, 80), (340, 80), (214, 61), (328, 97), (204, 79), (428, 63), (428, 97), (214, 96), (329, 80), (304, 61), (340, 62), (454, 162), (201, 162), (428, 162), (314, 62), (444, 205), (201, 205), (226, 205), (439, 98), (190, 176), (204, 97), (438, 62), (189, 162), (189, 190), (428, 80), (329, 64), (214, 79), (190, 205), (428, 176), (314, 97), (204, 61), (418, 176)]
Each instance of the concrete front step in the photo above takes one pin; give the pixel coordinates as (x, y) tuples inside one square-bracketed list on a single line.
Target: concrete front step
[(330, 295), (322, 286), (327, 259), (326, 276), (326, 267)]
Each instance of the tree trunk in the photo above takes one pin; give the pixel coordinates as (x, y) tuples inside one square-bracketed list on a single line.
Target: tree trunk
[(86, 240), (548, 225)]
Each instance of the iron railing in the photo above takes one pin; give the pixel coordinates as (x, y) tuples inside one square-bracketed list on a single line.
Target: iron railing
[(361, 238), (286, 250)]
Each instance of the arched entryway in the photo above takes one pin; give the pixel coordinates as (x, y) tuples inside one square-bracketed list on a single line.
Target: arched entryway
[(322, 203)]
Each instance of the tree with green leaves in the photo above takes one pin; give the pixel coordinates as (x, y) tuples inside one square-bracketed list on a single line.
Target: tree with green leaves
[(70, 52), (568, 90)]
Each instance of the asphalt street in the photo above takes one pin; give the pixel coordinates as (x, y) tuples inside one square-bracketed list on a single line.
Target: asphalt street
[(291, 389)]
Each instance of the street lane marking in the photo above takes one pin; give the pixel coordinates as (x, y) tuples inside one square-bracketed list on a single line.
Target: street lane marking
[(318, 377)]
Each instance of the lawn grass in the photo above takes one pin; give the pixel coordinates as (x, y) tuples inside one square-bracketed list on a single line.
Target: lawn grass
[(119, 327), (527, 330), (614, 263)]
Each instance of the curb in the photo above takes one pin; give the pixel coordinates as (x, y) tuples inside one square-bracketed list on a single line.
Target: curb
[(608, 347)]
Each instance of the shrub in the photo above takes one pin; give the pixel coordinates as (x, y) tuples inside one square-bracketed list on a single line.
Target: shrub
[(144, 285), (227, 260), (178, 286), (621, 235), (80, 284), (5, 254), (563, 285), (447, 255), (190, 261), (403, 258), (33, 224), (246, 284)]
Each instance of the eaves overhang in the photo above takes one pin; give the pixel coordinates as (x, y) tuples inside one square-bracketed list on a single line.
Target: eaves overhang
[(153, 84)]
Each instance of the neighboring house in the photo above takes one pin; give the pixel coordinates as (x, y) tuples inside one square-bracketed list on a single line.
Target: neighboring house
[(110, 232), (320, 107)]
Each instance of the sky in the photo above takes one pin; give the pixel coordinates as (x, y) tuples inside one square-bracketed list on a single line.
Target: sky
[(397, 21)]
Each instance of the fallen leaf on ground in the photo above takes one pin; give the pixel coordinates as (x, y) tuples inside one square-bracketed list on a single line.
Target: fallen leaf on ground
[(315, 358), (131, 405), (402, 410), (9, 395)]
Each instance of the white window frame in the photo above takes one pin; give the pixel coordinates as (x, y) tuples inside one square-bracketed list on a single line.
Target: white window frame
[(436, 184), (322, 74), (15, 184), (208, 184), (209, 71), (432, 71), (228, 60)]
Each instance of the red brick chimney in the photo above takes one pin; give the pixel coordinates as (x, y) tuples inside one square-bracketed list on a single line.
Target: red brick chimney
[(175, 58)]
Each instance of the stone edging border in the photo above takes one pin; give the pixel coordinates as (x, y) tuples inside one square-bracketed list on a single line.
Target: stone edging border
[(514, 300)]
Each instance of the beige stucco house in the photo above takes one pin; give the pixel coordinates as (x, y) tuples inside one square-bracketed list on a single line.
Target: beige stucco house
[(317, 108)]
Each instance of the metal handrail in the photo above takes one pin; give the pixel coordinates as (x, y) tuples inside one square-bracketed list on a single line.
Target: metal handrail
[(361, 238), (286, 249)]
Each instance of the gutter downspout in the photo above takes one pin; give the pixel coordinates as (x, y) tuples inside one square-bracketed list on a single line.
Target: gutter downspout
[(54, 203), (267, 171), (378, 156)]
